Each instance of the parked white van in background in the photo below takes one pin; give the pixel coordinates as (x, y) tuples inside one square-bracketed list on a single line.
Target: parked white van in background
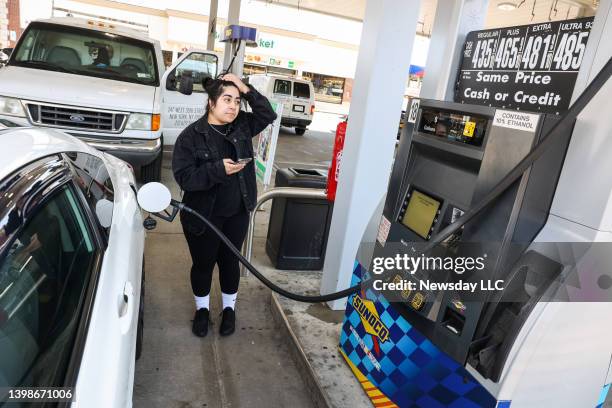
[(105, 85), (296, 94)]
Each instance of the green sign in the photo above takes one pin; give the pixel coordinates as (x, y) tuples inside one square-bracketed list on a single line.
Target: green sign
[(266, 147), (265, 43)]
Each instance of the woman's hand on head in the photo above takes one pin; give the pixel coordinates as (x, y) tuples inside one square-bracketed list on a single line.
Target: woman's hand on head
[(231, 167), (234, 78)]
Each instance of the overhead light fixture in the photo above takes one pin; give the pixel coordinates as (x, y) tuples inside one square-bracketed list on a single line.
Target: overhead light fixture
[(506, 6)]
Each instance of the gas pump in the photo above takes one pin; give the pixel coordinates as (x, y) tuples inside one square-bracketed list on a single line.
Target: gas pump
[(500, 331), (489, 283)]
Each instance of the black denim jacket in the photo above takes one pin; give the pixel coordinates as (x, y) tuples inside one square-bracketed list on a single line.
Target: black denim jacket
[(198, 166)]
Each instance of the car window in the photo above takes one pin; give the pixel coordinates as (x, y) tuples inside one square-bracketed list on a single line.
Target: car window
[(282, 86), (43, 276), (87, 52), (93, 179), (199, 66), (301, 90)]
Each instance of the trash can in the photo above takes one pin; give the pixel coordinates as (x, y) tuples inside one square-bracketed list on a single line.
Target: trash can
[(298, 227)]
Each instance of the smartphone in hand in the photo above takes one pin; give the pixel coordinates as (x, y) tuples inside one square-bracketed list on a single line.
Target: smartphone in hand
[(244, 160)]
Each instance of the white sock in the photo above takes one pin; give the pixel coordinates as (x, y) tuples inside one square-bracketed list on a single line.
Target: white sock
[(202, 302), (229, 300)]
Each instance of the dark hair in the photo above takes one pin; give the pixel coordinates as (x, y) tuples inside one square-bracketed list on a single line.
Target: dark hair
[(214, 89), (102, 57)]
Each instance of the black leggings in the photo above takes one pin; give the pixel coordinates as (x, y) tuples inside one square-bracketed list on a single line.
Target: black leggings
[(207, 249)]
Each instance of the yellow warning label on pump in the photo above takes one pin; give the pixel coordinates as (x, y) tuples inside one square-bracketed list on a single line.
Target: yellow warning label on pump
[(406, 292), (370, 319), (417, 301), (468, 130)]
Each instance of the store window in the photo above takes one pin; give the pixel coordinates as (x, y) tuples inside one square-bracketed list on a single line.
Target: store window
[(282, 87), (327, 88), (250, 69), (281, 71)]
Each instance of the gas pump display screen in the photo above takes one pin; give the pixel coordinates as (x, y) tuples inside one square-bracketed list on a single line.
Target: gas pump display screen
[(468, 129), (420, 213)]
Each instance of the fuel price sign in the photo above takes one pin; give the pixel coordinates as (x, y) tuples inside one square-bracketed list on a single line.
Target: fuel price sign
[(531, 67)]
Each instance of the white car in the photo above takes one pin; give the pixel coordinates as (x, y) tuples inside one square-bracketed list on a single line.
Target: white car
[(71, 268)]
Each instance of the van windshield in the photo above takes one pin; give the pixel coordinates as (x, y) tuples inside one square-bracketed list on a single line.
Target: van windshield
[(80, 51)]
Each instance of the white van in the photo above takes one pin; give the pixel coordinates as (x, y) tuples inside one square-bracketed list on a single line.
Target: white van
[(105, 85), (297, 96)]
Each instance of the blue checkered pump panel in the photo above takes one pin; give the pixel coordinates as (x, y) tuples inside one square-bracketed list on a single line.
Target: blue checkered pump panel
[(602, 397), (404, 365)]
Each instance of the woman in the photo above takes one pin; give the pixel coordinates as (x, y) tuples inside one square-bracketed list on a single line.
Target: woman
[(206, 167)]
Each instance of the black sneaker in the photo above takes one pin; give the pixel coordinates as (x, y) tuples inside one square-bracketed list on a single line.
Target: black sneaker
[(200, 322), (228, 322)]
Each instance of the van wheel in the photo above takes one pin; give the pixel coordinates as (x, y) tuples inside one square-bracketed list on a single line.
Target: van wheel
[(152, 171), (300, 131)]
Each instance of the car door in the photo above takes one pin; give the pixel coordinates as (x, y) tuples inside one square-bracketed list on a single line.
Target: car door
[(179, 110), (50, 256), (281, 91), (107, 371)]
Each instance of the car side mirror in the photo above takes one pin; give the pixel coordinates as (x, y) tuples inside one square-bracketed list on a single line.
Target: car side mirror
[(104, 212), (186, 83)]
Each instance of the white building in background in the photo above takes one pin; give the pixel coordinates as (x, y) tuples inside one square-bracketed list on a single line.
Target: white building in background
[(290, 41)]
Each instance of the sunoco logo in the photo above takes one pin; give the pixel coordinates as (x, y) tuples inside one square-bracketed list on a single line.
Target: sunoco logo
[(370, 319)]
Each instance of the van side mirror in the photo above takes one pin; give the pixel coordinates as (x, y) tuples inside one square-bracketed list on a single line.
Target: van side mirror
[(171, 81), (186, 83)]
